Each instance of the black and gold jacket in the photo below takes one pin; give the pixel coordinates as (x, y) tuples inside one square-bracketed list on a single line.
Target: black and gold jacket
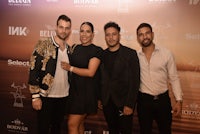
[(42, 67)]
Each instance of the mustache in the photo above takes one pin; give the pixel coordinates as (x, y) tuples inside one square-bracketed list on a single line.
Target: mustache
[(146, 39), (62, 38)]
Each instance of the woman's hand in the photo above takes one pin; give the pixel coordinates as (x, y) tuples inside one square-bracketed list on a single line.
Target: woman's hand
[(66, 66)]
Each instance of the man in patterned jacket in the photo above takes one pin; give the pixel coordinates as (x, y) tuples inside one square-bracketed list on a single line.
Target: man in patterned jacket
[(48, 82)]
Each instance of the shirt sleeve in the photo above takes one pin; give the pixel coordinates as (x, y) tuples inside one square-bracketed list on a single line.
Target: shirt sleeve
[(98, 53), (174, 78)]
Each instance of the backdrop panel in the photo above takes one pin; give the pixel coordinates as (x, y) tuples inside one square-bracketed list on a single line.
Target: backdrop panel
[(23, 22)]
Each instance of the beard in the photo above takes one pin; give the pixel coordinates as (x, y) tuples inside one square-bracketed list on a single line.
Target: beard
[(62, 37), (112, 43), (146, 43)]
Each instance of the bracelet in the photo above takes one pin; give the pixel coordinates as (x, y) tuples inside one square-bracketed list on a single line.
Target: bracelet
[(179, 101), (34, 99), (71, 68)]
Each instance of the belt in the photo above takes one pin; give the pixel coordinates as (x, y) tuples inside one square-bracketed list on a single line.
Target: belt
[(153, 97)]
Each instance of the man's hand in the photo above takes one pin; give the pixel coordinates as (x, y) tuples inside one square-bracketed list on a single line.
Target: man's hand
[(37, 104), (177, 110), (127, 110), (100, 106)]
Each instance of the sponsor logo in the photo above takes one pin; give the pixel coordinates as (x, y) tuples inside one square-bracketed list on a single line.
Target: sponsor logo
[(192, 111), (18, 63), (51, 0), (123, 6), (75, 31), (192, 36), (126, 35), (18, 31), (194, 2), (48, 32), (19, 2), (86, 3), (87, 132), (17, 126), (160, 28), (162, 1), (18, 96), (105, 132)]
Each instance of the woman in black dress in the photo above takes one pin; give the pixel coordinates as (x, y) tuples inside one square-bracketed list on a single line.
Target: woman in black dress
[(84, 79)]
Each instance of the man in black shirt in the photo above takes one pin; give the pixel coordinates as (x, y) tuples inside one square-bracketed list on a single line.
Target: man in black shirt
[(120, 82)]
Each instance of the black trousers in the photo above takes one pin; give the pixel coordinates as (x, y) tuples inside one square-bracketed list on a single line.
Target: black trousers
[(151, 108), (51, 115), (117, 122)]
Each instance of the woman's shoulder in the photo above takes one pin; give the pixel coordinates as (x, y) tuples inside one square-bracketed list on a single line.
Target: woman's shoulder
[(72, 48), (96, 47)]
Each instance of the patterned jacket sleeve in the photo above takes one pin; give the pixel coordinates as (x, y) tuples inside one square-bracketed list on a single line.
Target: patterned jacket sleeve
[(35, 69)]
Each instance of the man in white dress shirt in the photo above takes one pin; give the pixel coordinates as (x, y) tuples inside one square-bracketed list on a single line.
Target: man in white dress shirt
[(158, 69)]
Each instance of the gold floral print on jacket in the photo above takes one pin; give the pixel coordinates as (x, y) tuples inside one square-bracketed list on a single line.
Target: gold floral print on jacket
[(46, 49), (34, 89), (32, 62), (48, 80)]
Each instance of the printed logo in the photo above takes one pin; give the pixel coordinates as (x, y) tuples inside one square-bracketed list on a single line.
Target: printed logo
[(126, 35), (194, 2), (87, 132), (51, 0), (123, 6), (17, 126), (86, 3), (48, 32), (105, 132), (18, 63), (19, 31), (19, 2), (18, 96), (162, 1), (75, 31), (192, 36), (160, 28), (192, 111)]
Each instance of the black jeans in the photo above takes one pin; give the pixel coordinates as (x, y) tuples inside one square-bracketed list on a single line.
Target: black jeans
[(117, 122), (159, 109), (51, 115)]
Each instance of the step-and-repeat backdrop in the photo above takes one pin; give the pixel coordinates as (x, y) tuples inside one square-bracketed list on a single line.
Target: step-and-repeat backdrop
[(176, 24)]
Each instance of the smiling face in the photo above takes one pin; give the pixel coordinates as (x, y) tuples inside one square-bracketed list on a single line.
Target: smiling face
[(86, 34), (145, 36)]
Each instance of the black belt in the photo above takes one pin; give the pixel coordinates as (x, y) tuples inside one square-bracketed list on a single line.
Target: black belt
[(153, 97)]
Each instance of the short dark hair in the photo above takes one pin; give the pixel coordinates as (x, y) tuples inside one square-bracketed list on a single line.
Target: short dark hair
[(63, 17), (89, 24), (112, 24), (144, 25)]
